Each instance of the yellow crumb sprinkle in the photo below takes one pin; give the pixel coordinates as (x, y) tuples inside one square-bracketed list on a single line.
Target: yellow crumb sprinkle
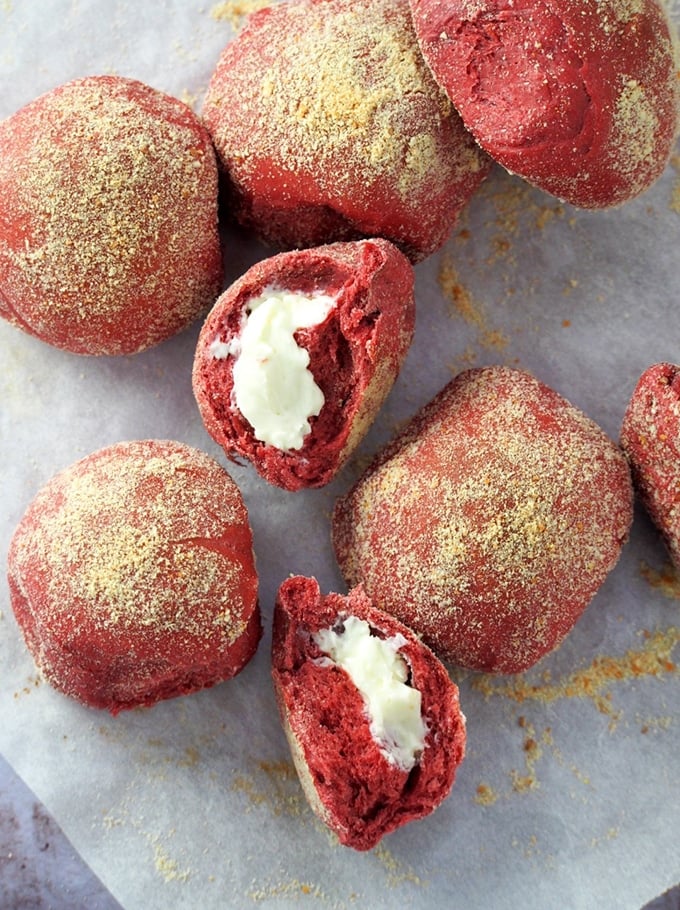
[(466, 307), (654, 658), (235, 11)]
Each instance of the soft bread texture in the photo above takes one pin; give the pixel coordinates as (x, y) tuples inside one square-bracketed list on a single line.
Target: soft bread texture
[(132, 576), (355, 354), (580, 97), (650, 436), (108, 230), (330, 127), (490, 521), (349, 782)]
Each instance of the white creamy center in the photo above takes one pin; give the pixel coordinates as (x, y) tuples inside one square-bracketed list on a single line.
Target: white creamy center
[(273, 387), (380, 674)]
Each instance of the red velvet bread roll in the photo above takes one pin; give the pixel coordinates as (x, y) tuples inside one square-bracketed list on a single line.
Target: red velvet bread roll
[(579, 97), (490, 521), (132, 576), (650, 436), (372, 718), (108, 221), (297, 356), (330, 127)]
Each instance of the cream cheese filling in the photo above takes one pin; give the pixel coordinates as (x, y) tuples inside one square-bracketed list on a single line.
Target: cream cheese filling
[(274, 389), (380, 674)]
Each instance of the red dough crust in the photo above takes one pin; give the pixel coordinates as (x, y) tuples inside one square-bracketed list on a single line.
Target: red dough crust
[(355, 354), (490, 522), (578, 96), (132, 577), (650, 436), (108, 231), (351, 785), (330, 127)]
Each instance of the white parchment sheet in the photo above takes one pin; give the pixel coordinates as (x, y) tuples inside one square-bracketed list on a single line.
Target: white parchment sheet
[(568, 796)]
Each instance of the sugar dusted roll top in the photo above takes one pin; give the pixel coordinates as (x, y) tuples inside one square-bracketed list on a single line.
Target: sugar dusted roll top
[(372, 718), (579, 97), (108, 224), (650, 436), (132, 576), (297, 356), (489, 523), (329, 127)]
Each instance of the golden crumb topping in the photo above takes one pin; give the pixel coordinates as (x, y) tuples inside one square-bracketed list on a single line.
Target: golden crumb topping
[(130, 540), (340, 92), (494, 512), (110, 197)]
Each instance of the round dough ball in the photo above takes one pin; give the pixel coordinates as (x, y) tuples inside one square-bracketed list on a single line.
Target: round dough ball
[(650, 437), (579, 97), (132, 576), (490, 522), (108, 230), (346, 737), (330, 127), (296, 357)]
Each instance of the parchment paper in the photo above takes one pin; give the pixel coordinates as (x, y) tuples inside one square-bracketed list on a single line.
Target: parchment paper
[(568, 796)]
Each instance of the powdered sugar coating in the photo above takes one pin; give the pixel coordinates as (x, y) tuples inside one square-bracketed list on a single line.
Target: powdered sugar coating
[(490, 522)]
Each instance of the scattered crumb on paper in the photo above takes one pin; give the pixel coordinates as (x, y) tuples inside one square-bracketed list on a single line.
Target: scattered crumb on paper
[(665, 580), (397, 871), (276, 787), (594, 682), (235, 11), (466, 307), (674, 202), (166, 866)]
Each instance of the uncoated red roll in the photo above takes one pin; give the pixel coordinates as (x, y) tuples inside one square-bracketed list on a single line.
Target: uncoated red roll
[(579, 97)]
